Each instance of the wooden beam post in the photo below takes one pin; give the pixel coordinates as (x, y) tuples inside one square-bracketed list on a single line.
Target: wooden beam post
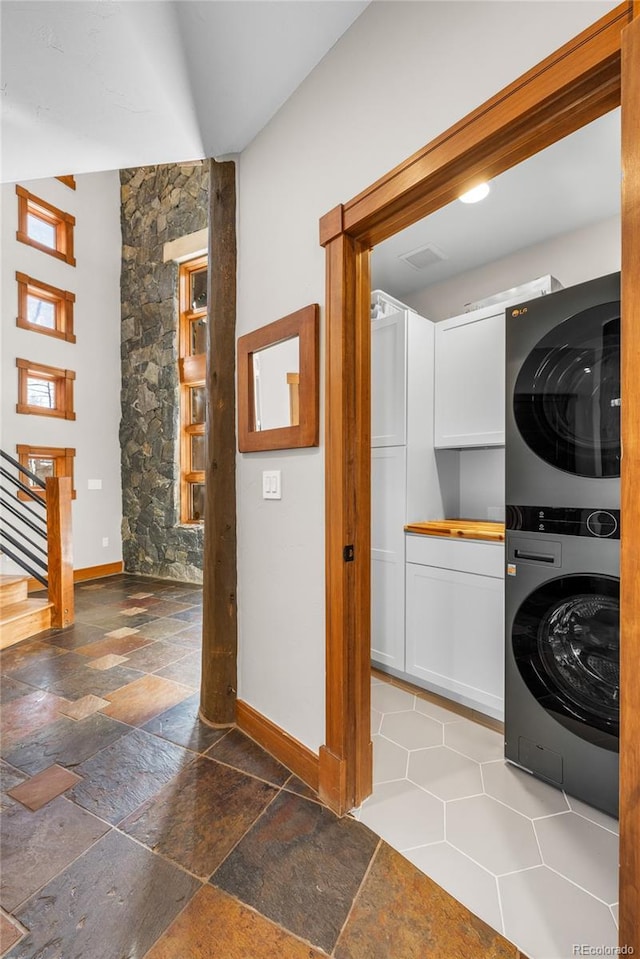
[(60, 550), (219, 628)]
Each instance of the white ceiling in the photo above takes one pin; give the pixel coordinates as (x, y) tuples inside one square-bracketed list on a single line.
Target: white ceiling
[(103, 84), (567, 186)]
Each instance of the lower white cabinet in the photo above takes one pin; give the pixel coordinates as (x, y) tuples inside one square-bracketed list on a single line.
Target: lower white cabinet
[(455, 625)]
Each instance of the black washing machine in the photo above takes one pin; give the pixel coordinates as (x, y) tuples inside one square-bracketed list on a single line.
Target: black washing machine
[(562, 583), (563, 397), (562, 649)]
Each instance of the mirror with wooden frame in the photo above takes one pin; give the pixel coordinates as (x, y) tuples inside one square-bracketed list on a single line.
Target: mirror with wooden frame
[(278, 384)]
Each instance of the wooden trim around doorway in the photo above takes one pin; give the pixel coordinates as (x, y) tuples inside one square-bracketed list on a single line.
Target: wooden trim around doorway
[(578, 83), (293, 754)]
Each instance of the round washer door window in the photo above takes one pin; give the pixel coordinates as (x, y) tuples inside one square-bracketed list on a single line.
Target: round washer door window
[(566, 644), (567, 395)]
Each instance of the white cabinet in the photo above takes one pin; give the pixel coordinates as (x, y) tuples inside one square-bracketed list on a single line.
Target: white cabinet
[(455, 620), (470, 379), (470, 370), (405, 483), (388, 485)]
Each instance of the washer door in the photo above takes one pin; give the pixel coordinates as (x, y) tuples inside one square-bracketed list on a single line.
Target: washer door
[(566, 644), (567, 395)]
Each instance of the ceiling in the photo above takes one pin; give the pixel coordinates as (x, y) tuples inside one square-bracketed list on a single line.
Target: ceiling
[(563, 188), (99, 84)]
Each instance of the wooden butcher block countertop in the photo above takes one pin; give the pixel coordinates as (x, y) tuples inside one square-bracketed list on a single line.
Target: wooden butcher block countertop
[(460, 528)]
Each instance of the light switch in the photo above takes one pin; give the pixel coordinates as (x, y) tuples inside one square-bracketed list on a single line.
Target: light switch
[(271, 488)]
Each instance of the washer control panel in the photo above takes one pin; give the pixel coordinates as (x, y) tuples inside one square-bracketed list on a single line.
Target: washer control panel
[(598, 523)]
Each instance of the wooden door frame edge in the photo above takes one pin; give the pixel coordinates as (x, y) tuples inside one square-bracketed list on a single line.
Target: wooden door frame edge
[(576, 84)]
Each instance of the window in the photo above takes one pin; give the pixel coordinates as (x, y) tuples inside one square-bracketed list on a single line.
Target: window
[(45, 226), (45, 461), (45, 390), (192, 369), (44, 309)]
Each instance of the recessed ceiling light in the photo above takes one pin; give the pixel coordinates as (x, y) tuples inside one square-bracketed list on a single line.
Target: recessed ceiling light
[(478, 193)]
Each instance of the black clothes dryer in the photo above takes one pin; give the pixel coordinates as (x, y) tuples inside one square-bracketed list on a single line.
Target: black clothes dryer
[(562, 650), (563, 397)]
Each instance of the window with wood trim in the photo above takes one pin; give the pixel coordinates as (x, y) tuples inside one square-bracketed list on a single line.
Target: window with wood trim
[(44, 309), (192, 369), (45, 390), (45, 461), (44, 226)]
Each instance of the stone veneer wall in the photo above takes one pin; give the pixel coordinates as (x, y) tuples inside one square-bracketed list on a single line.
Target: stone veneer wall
[(158, 204)]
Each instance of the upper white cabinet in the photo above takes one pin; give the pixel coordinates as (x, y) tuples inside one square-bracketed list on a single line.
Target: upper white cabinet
[(470, 379), (470, 370), (388, 378)]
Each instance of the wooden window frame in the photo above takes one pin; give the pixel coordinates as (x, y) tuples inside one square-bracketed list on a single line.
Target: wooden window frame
[(63, 380), (29, 203), (62, 465), (593, 73), (192, 372), (62, 300)]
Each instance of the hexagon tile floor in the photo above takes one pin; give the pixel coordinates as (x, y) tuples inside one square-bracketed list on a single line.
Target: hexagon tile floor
[(535, 864)]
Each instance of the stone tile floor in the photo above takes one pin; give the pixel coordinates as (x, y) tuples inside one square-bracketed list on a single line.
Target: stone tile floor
[(130, 829), (534, 863)]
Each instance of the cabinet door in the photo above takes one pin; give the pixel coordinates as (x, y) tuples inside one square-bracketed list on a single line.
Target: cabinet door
[(470, 381), (455, 635), (388, 380), (388, 497)]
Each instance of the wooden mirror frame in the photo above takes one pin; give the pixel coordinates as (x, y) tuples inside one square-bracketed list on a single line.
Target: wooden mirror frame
[(305, 324)]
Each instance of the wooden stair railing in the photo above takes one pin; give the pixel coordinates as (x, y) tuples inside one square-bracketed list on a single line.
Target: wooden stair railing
[(35, 532)]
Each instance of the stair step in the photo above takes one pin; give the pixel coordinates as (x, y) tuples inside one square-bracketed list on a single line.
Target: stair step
[(25, 618), (13, 589)]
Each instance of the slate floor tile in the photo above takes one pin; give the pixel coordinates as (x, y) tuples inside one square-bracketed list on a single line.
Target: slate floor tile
[(49, 673), (112, 903), (155, 656), (37, 845), (181, 725), (187, 637), (11, 689), (9, 933), (193, 615), (114, 645), (187, 670), (400, 912), (131, 770), (82, 708), (77, 635), (26, 714), (239, 933), (197, 818), (301, 866), (106, 662), (26, 653), (9, 777), (238, 750), (123, 631), (65, 742), (295, 785), (140, 701), (43, 787), (164, 629)]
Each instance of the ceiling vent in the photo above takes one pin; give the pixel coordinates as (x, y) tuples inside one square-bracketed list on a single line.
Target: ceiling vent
[(423, 257)]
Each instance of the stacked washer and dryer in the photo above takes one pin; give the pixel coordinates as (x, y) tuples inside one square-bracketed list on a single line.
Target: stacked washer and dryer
[(563, 538)]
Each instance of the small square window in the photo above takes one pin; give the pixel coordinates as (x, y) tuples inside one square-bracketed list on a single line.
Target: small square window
[(45, 461), (44, 309), (198, 404), (44, 226), (196, 502), (45, 390)]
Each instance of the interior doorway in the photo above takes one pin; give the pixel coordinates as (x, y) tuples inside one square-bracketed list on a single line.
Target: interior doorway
[(578, 83)]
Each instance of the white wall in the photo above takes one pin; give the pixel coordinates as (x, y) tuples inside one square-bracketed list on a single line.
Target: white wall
[(571, 257), (401, 75), (95, 357)]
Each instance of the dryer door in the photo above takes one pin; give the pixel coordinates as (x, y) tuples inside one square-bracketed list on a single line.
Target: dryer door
[(566, 643), (567, 395)]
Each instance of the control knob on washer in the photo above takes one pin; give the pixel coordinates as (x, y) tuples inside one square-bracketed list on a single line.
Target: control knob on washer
[(602, 523)]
